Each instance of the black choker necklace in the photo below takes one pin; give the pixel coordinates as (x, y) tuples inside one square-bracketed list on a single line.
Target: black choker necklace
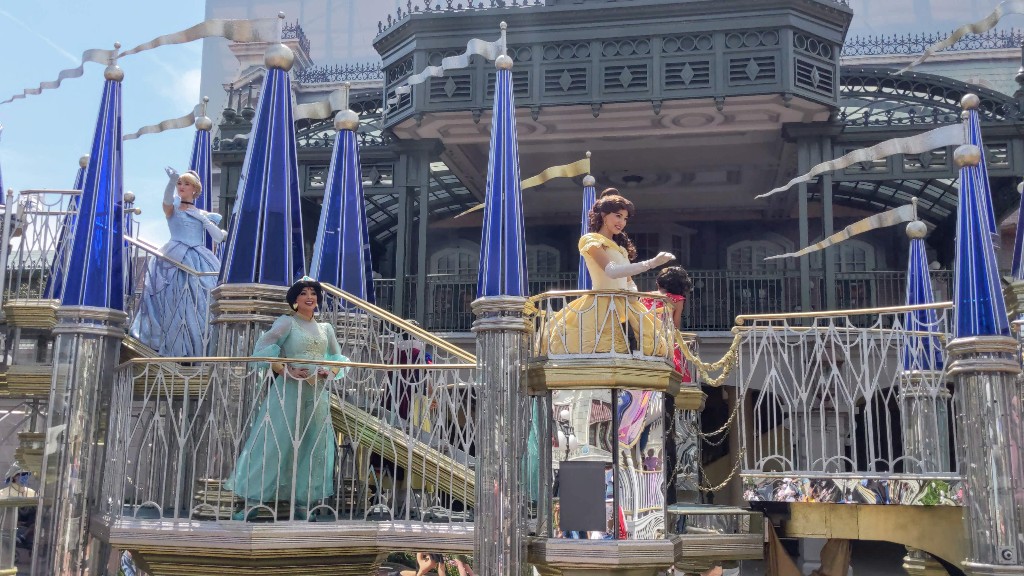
[(187, 202)]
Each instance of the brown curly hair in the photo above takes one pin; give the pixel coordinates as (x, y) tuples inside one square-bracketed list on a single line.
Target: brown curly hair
[(607, 204)]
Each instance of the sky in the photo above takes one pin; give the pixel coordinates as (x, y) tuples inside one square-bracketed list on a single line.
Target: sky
[(45, 135)]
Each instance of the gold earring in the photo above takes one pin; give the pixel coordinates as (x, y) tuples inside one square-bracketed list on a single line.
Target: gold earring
[(295, 306)]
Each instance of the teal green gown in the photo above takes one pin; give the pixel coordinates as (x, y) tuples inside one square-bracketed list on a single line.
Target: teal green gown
[(292, 441)]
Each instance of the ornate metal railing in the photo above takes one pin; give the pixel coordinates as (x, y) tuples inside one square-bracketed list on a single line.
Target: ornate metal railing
[(846, 410), (601, 324), (290, 31), (916, 43), (223, 439), (40, 223), (368, 333), (412, 7), (340, 73), (10, 527)]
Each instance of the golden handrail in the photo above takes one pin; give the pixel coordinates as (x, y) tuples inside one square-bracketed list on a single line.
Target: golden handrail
[(404, 324)]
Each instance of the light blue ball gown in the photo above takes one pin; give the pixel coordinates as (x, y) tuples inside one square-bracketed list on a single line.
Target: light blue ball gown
[(292, 442), (172, 312)]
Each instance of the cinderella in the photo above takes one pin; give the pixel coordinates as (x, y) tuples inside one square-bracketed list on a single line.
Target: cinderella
[(172, 312), (289, 455)]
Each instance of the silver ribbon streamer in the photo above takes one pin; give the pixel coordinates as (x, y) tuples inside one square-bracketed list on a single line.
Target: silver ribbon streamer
[(255, 30), (984, 25), (951, 135), (172, 124), (881, 220), (97, 55), (489, 50), (336, 100)]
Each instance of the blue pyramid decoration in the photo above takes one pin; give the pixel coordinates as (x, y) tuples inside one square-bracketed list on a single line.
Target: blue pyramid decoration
[(920, 352), (200, 162), (94, 274), (978, 297), (974, 137), (265, 243), (55, 282), (341, 255), (583, 280), (502, 249)]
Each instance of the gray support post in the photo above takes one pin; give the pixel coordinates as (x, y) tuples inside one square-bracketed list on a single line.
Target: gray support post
[(502, 343), (803, 163), (87, 349), (828, 227), (985, 370), (401, 250), (545, 513), (423, 180)]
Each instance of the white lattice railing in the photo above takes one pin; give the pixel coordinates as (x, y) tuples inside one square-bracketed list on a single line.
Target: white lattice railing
[(39, 223), (401, 438), (601, 324), (848, 406)]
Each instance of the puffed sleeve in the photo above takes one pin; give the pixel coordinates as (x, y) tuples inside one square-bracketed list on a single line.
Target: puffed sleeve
[(589, 241), (333, 348), (270, 342)]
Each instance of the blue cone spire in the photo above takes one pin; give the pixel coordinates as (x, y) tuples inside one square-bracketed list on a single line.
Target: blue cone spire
[(974, 137), (502, 249), (978, 297), (94, 274), (200, 162), (920, 352), (55, 281), (265, 244), (341, 255), (583, 280)]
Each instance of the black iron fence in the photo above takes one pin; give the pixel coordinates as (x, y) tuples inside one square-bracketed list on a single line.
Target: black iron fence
[(718, 295)]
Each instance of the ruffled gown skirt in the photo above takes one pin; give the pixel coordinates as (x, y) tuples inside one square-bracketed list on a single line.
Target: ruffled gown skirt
[(290, 452), (172, 315)]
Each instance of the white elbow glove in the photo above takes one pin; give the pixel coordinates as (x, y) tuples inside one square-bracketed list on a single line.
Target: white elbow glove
[(172, 183), (216, 233), (614, 270)]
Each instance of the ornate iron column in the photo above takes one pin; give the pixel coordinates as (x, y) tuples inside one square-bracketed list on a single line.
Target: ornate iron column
[(985, 368), (502, 349), (923, 397), (90, 326)]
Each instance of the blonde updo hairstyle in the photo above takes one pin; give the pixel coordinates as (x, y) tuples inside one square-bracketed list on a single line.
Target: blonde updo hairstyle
[(192, 177)]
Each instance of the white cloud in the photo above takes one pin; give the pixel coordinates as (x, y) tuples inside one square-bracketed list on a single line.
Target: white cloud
[(183, 90)]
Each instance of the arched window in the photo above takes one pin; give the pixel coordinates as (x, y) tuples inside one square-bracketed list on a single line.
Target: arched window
[(451, 286), (542, 261), (851, 255), (749, 255), (459, 259), (756, 285)]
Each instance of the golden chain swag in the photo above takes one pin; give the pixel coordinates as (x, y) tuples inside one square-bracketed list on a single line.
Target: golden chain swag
[(704, 369)]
